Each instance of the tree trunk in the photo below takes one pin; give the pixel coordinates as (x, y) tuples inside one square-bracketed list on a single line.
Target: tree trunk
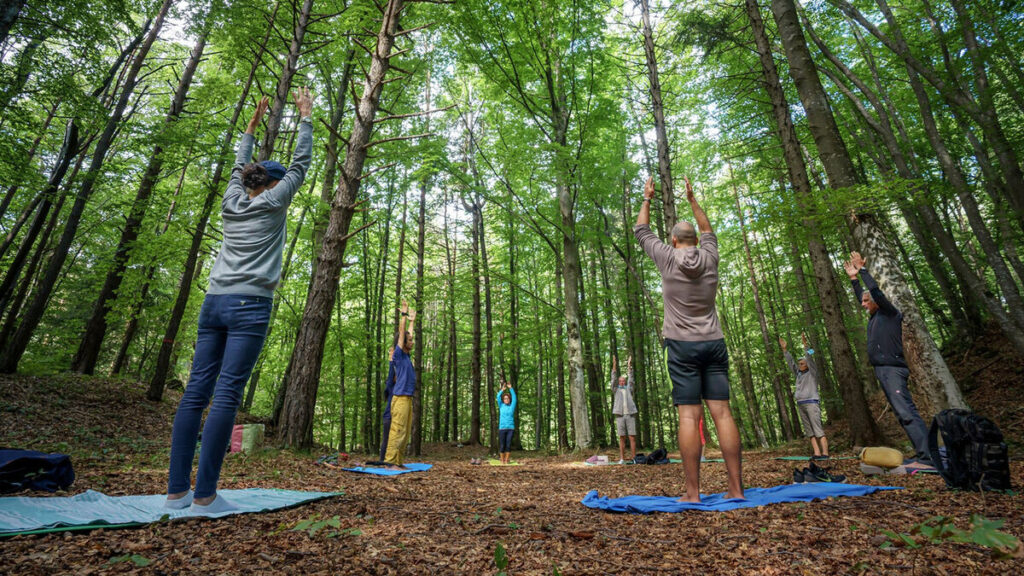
[(295, 428), (926, 363), (34, 313), (284, 83), (89, 349), (863, 429), (668, 199), (9, 10)]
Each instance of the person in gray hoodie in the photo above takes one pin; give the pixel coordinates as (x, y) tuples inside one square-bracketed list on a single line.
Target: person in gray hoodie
[(808, 402), (235, 314), (695, 353), (624, 409)]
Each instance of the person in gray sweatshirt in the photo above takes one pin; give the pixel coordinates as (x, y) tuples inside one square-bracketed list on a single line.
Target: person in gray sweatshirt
[(695, 353), (235, 314), (624, 409), (808, 402)]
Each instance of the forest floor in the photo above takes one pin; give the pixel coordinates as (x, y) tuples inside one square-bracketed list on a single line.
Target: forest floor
[(452, 518)]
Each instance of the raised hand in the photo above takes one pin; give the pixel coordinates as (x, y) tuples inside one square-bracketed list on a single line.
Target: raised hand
[(404, 308), (412, 315), (858, 260), (303, 101), (649, 188), (803, 338), (689, 190), (257, 116), (852, 270), (629, 362), (782, 343)]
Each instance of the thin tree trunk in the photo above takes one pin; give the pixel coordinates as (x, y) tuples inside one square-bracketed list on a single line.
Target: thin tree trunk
[(297, 418), (284, 82), (89, 348), (668, 200), (34, 313)]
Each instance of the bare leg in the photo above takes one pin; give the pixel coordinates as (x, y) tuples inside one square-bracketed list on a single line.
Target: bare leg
[(622, 447), (824, 445), (729, 440), (632, 446), (689, 447), (815, 447)]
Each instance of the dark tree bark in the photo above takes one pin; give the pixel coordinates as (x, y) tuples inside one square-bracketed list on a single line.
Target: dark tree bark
[(863, 429), (33, 314), (295, 428), (9, 10), (927, 366), (89, 348)]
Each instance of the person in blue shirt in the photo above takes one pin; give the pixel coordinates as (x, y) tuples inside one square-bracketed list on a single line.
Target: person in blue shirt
[(506, 420), (404, 388)]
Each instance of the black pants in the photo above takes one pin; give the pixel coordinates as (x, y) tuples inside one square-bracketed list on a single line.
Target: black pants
[(505, 439)]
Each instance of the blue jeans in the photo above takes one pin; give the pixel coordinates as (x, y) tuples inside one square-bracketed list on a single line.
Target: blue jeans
[(505, 439), (232, 329)]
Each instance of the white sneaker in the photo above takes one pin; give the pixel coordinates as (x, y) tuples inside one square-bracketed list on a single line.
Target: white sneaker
[(622, 461)]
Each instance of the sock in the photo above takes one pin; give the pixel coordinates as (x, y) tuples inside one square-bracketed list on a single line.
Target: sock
[(219, 504), (181, 503)]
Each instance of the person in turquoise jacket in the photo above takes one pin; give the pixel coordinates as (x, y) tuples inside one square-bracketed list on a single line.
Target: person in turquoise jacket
[(506, 420)]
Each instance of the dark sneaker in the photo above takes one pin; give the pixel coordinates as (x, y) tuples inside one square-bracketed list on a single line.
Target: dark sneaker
[(822, 475), (798, 476), (820, 458), (810, 476)]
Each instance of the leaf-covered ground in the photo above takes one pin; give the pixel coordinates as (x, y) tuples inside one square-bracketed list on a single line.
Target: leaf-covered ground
[(452, 518)]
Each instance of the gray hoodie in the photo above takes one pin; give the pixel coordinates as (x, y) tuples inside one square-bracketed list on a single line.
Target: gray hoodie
[(689, 284), (806, 382), (622, 399), (249, 261)]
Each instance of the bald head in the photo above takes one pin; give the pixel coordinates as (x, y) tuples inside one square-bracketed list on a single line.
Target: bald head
[(685, 234)]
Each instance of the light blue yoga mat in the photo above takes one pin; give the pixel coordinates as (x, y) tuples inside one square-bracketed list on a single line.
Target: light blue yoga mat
[(410, 467), (23, 514), (719, 503)]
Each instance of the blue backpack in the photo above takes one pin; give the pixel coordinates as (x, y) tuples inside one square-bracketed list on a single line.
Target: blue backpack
[(31, 470)]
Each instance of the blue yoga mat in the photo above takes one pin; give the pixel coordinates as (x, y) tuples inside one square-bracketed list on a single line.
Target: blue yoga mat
[(411, 467), (19, 515), (719, 503)]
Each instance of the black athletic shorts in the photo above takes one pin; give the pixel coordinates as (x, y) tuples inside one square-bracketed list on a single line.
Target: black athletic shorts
[(698, 370)]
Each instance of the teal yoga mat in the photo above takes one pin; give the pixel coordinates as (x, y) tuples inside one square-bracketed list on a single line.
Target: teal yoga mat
[(90, 510)]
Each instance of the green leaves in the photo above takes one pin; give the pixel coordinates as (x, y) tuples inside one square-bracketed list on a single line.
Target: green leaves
[(314, 525), (939, 529), (137, 559), (501, 559)]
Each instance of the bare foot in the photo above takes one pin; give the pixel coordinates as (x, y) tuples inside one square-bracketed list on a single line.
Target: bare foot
[(739, 496), (689, 499)]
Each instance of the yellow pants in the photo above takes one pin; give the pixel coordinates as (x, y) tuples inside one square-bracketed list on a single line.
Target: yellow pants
[(401, 418)]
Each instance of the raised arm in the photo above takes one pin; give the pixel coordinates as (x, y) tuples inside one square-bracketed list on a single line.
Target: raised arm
[(615, 371), (852, 268), (703, 224), (884, 305), (643, 218), (404, 311), (244, 154), (512, 391), (296, 174), (789, 357), (629, 364), (808, 355)]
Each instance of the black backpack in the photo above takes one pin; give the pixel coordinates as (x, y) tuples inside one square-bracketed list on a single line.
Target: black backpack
[(975, 458), (656, 457)]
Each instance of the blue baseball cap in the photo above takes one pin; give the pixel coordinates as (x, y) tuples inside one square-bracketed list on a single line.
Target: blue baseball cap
[(274, 169)]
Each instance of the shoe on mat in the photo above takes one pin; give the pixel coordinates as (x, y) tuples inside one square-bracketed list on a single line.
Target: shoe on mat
[(824, 457), (622, 462), (822, 475)]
